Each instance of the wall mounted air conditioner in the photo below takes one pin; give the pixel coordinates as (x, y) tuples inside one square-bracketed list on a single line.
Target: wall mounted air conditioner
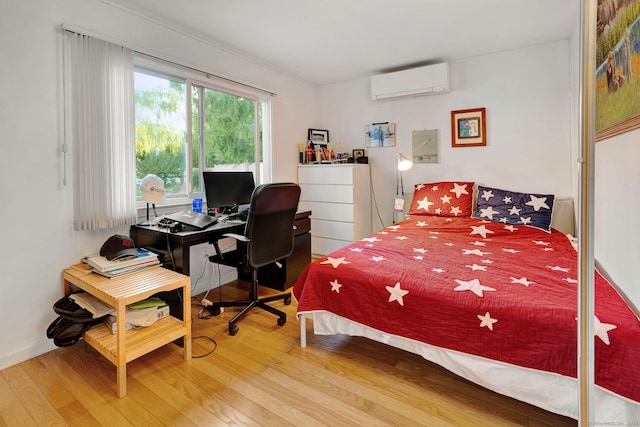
[(428, 80)]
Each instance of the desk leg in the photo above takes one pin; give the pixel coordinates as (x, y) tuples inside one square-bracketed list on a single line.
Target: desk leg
[(121, 350)]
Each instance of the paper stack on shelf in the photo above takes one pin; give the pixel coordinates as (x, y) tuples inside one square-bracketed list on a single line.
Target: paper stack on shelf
[(107, 268), (96, 307)]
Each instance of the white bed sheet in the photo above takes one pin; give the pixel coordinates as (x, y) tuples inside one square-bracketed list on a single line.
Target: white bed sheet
[(549, 391)]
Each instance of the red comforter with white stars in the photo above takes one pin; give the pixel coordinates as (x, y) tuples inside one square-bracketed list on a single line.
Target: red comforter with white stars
[(503, 292)]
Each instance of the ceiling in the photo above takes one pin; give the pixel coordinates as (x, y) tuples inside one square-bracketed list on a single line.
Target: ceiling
[(329, 41)]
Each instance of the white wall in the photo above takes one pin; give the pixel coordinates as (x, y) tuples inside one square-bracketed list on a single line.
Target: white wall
[(526, 94), (36, 211), (616, 207)]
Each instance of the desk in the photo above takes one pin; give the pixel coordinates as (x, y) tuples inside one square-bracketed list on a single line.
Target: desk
[(127, 345), (174, 248)]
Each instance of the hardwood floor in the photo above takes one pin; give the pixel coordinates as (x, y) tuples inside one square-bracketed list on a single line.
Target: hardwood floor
[(261, 376)]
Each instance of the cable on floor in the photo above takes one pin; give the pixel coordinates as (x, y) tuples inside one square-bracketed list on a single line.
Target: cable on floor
[(215, 346)]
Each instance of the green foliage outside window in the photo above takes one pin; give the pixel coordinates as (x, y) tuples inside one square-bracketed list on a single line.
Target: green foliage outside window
[(161, 138)]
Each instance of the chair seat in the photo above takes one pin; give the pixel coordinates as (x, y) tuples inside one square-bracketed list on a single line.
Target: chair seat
[(233, 258)]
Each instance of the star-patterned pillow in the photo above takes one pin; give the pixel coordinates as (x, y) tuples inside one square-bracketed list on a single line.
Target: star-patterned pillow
[(510, 207), (444, 198)]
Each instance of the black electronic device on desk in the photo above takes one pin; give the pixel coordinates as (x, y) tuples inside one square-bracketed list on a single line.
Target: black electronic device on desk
[(196, 220), (227, 191)]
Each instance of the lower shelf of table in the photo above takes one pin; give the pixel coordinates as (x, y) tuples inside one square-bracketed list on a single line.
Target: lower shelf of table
[(138, 341)]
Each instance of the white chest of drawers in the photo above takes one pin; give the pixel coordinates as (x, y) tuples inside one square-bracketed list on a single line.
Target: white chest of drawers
[(339, 198)]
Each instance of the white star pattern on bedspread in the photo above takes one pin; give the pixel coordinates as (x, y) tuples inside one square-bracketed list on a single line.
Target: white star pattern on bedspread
[(472, 285), (487, 321), (602, 329), (481, 230), (474, 252), (335, 262), (522, 281), (396, 294)]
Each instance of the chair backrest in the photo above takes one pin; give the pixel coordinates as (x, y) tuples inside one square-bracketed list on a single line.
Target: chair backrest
[(270, 222)]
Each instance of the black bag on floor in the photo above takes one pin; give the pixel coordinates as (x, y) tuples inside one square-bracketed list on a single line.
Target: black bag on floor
[(71, 324)]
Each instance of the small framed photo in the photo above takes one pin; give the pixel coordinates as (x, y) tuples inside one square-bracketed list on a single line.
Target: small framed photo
[(318, 136), (359, 152), (380, 135), (468, 128)]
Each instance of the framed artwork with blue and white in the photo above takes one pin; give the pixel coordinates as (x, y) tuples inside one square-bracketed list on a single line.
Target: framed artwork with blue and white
[(468, 128)]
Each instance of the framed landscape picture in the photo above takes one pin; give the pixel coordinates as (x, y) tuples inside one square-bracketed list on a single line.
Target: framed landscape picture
[(617, 68)]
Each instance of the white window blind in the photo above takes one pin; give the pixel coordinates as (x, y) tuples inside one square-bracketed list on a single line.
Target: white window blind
[(99, 129)]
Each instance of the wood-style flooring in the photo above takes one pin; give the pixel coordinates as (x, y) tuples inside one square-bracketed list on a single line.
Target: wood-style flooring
[(259, 377)]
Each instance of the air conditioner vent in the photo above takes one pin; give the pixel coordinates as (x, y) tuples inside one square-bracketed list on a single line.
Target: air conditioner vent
[(428, 80)]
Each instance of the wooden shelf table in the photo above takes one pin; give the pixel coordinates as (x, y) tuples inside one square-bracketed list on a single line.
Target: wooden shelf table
[(127, 345)]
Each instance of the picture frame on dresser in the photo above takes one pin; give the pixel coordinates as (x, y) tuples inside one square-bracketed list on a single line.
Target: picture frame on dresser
[(318, 136), (357, 153)]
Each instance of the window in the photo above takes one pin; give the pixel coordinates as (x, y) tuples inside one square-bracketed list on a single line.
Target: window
[(184, 126)]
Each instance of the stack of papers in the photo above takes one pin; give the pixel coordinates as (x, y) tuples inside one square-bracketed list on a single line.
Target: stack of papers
[(96, 307), (114, 268)]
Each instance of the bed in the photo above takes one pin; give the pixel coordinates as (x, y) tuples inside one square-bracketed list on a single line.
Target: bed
[(486, 287)]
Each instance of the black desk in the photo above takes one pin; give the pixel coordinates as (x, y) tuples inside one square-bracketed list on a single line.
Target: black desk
[(174, 248)]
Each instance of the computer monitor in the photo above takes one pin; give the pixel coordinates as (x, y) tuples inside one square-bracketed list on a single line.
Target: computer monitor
[(228, 190)]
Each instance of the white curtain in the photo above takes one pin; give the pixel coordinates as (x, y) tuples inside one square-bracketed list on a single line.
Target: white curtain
[(100, 129)]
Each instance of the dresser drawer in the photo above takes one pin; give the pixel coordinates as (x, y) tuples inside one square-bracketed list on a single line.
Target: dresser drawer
[(326, 174), (329, 211), (322, 246), (333, 229), (302, 226), (327, 193)]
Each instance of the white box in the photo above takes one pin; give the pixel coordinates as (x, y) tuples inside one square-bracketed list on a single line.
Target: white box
[(111, 320)]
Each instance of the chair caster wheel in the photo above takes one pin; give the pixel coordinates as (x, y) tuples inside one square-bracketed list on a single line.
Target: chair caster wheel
[(282, 321), (233, 330), (287, 300), (215, 311)]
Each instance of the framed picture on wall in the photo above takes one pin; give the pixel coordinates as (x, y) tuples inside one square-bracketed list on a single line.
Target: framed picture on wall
[(318, 136), (468, 128), (424, 144), (617, 97), (380, 135)]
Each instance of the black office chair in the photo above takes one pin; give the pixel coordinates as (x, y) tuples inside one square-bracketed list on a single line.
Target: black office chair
[(268, 238)]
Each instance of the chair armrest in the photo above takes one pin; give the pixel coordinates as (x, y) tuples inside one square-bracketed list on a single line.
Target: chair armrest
[(238, 237)]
